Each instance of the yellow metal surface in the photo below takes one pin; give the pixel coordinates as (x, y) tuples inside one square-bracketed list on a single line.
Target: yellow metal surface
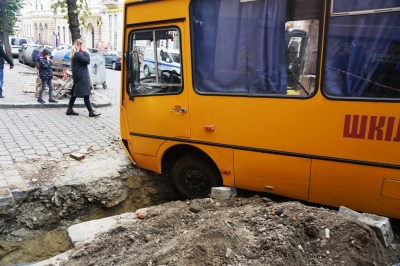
[(126, 151), (313, 134), (391, 189), (156, 11), (283, 175), (355, 186)]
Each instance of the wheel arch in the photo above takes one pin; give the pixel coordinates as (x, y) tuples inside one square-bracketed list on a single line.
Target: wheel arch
[(172, 155)]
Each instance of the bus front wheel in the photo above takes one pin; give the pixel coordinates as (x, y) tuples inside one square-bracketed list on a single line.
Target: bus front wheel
[(193, 176)]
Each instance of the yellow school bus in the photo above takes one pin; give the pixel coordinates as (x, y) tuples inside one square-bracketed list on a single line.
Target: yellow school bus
[(299, 98)]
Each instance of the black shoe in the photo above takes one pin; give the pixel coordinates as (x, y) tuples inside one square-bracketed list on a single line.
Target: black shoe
[(1, 96), (41, 101), (53, 101), (71, 112), (93, 113)]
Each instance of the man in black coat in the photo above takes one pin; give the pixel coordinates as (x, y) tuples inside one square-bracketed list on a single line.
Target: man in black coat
[(3, 57)]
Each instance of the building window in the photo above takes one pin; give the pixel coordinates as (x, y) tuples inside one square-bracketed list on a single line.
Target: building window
[(115, 31)]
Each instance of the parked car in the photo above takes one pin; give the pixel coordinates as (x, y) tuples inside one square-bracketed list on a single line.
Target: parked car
[(168, 59), (113, 59), (21, 52), (61, 47), (31, 54), (16, 43)]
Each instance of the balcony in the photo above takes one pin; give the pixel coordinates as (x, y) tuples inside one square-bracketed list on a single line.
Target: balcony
[(110, 3)]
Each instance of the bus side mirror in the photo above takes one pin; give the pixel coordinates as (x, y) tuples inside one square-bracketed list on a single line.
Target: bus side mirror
[(134, 73), (135, 70), (126, 59)]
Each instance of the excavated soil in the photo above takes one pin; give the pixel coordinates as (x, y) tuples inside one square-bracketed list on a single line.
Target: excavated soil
[(239, 231)]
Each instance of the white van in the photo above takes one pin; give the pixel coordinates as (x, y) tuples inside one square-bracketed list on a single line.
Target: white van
[(16, 43), (168, 59)]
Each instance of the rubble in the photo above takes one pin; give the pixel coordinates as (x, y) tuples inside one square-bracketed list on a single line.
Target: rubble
[(229, 232), (381, 225), (77, 156)]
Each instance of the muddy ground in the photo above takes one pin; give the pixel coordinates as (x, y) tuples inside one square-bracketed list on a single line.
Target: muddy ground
[(252, 229)]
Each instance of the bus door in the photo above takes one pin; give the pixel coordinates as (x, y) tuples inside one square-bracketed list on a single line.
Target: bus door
[(157, 104)]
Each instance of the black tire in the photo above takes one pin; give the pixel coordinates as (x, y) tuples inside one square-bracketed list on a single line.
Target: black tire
[(193, 176), (146, 71)]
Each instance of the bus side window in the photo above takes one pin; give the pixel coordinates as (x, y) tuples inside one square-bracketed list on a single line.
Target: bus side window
[(362, 51), (241, 47)]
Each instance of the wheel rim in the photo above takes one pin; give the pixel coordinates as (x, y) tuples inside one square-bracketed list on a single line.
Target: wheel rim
[(113, 65), (195, 180), (146, 71)]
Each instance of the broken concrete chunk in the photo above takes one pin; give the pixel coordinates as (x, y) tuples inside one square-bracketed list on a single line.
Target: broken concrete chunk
[(87, 230), (5, 197), (223, 192), (349, 212), (77, 156), (381, 226)]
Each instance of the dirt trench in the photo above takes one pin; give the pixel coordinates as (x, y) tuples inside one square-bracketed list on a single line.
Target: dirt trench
[(34, 228)]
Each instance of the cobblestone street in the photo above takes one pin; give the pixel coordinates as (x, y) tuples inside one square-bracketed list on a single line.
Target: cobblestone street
[(30, 131)]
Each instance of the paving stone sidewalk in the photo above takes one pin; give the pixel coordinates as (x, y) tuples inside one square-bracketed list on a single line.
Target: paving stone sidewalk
[(20, 85), (33, 133)]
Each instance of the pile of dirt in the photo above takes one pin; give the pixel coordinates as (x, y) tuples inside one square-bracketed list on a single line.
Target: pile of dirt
[(238, 231)]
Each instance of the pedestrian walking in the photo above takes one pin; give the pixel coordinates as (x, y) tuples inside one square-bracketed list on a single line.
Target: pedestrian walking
[(3, 57), (46, 76), (80, 60)]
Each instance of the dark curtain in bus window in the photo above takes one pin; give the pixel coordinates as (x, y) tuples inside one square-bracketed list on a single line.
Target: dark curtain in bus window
[(363, 52), (239, 47)]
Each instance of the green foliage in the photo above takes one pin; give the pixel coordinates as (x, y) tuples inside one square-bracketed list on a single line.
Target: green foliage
[(82, 9), (13, 8)]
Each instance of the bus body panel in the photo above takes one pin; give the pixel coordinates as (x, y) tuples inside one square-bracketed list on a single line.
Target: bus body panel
[(152, 115), (139, 11), (354, 186), (328, 151), (283, 175), (391, 189), (307, 128), (146, 146)]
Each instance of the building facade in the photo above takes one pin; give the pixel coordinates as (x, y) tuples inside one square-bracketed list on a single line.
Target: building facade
[(103, 29)]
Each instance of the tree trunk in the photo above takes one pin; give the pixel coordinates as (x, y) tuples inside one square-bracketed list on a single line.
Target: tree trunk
[(6, 27), (73, 20)]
